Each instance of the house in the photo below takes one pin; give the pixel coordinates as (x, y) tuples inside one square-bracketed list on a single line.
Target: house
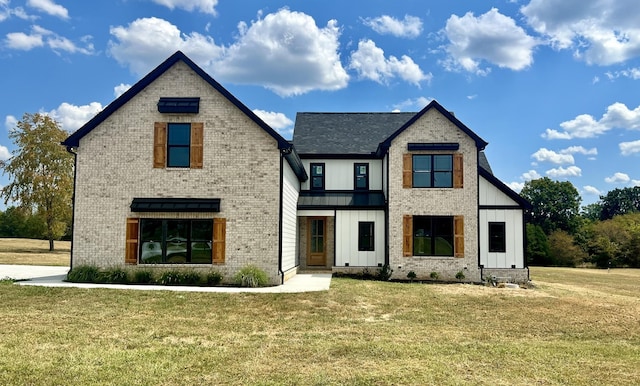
[(177, 172)]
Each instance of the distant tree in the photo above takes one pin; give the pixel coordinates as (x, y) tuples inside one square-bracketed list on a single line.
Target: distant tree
[(591, 212), (554, 204), (564, 251), (537, 246), (620, 201), (41, 173)]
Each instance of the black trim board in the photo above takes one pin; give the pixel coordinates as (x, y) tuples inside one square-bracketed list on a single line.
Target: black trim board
[(175, 205), (433, 146)]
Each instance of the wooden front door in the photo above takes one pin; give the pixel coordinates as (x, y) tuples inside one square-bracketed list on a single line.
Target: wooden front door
[(316, 241)]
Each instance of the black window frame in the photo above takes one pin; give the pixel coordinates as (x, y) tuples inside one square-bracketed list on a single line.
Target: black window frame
[(314, 176), (497, 231), (171, 163), (356, 174), (191, 249), (436, 224), (368, 236), (434, 174)]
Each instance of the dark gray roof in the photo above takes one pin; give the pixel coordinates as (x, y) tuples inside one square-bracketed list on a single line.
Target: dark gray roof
[(483, 162), (345, 133), (341, 199)]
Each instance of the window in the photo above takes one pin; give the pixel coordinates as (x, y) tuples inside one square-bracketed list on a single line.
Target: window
[(432, 171), (317, 176), (178, 145), (432, 236), (176, 241), (361, 176), (497, 237), (365, 236)]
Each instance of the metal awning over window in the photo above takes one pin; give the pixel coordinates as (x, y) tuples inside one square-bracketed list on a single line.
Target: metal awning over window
[(345, 200), (175, 205), (179, 105)]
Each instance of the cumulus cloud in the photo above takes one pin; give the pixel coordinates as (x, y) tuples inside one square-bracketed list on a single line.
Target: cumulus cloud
[(412, 104), (49, 7), (603, 32), (10, 122), (492, 37), (635, 182), (71, 117), (628, 148), (632, 73), (120, 89), (277, 121), (591, 190), (40, 37), (579, 150), (618, 115), (531, 175), (560, 172), (546, 155), (204, 6), (369, 61), (617, 178), (516, 186), (5, 154), (409, 27)]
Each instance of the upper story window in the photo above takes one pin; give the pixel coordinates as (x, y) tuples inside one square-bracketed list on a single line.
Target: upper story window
[(432, 170), (178, 145), (317, 176), (361, 176)]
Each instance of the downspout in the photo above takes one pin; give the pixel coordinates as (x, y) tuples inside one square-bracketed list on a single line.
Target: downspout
[(386, 214), (478, 225), (280, 217), (73, 203)]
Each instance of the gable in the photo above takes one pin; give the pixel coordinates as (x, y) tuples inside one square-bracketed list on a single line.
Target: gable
[(493, 192)]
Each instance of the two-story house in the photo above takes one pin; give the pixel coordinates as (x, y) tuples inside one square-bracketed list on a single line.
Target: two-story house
[(177, 172)]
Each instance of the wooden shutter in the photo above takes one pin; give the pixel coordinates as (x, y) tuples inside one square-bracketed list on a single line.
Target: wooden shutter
[(458, 236), (407, 235), (160, 145), (197, 139), (407, 171), (219, 236), (457, 171), (131, 248)]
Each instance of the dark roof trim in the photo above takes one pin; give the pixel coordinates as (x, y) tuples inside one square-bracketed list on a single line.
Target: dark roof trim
[(504, 188), (179, 105), (296, 164), (337, 199), (175, 205), (74, 139), (501, 207), (433, 146), (480, 143), (339, 156)]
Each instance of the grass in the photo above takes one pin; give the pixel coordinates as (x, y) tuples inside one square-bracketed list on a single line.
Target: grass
[(34, 252), (576, 327)]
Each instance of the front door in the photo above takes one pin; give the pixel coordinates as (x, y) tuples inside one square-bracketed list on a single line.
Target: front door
[(316, 242)]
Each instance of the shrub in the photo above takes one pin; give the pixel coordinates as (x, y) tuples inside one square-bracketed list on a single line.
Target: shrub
[(114, 275), (172, 277), (213, 278), (190, 278), (251, 276), (83, 274), (434, 275), (384, 273), (142, 276), (411, 275), (460, 275)]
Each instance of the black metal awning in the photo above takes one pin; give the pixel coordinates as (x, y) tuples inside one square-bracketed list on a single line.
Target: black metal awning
[(341, 200), (179, 105), (175, 205)]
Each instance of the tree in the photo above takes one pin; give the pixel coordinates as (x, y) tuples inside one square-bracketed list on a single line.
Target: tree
[(41, 173), (564, 251), (537, 246), (620, 201), (554, 204)]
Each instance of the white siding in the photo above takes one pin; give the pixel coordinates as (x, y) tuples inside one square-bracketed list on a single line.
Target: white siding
[(290, 187), (514, 254), (339, 173), (490, 195), (385, 177), (346, 236)]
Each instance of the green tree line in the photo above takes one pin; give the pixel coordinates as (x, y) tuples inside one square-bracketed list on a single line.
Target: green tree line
[(602, 234)]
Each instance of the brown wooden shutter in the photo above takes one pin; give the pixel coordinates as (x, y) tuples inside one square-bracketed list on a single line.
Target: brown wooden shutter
[(131, 248), (458, 174), (219, 236), (458, 236), (160, 145), (197, 140), (407, 171), (407, 235)]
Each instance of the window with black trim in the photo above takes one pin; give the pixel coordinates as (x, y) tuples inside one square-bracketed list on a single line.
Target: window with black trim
[(176, 241), (497, 237), (361, 176), (317, 176), (178, 145), (365, 236), (432, 171), (433, 236)]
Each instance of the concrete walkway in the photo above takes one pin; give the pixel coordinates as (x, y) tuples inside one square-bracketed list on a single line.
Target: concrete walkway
[(46, 276)]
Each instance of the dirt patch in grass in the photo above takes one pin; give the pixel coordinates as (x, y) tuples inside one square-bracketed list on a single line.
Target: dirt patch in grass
[(34, 252)]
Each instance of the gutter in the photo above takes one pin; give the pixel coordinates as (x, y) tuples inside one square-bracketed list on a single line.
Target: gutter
[(280, 271), (71, 150)]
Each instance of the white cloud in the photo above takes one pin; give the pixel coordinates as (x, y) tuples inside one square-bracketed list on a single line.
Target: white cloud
[(412, 104), (617, 178), (530, 175), (560, 172), (588, 189), (369, 61), (204, 6), (277, 121), (409, 27), (22, 41), (516, 186), (580, 150), (10, 122), (4, 153), (618, 115), (628, 148), (492, 37), (600, 32), (632, 73), (635, 182), (546, 155), (71, 117), (120, 89), (6, 12), (41, 37), (49, 7)]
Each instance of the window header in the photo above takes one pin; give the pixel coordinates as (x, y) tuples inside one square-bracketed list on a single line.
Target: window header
[(179, 105), (175, 205), (433, 146)]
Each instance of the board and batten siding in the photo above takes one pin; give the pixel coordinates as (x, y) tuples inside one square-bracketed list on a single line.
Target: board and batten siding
[(347, 238), (491, 195), (290, 192), (339, 173), (514, 235)]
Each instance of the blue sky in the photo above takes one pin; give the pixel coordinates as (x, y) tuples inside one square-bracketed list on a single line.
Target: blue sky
[(552, 85)]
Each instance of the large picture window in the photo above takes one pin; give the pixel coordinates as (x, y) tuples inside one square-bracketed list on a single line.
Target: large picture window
[(365, 236), (497, 237), (432, 171), (433, 236), (176, 241)]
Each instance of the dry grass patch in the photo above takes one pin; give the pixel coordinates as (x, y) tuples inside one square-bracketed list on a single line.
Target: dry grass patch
[(34, 252)]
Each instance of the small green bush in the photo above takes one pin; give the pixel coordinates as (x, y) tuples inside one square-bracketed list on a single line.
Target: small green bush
[(384, 273), (411, 275), (172, 277), (191, 278), (84, 274), (114, 276), (251, 276), (142, 276), (460, 275), (213, 278), (434, 275)]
